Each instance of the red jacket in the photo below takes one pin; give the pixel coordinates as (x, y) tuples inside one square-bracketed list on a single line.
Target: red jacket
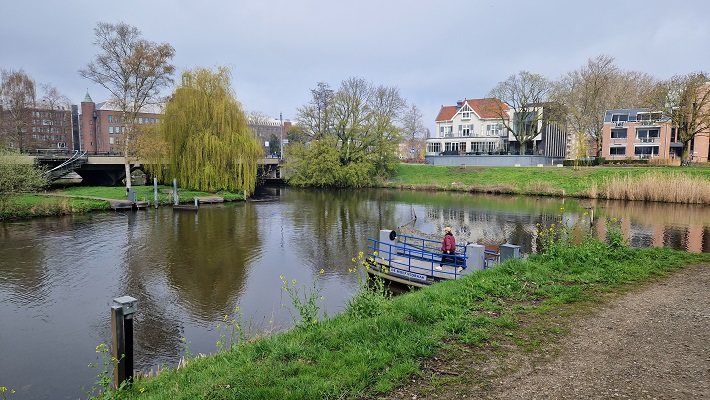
[(449, 243)]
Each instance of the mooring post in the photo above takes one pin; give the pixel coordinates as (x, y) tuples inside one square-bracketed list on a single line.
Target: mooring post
[(196, 201), (155, 191), (122, 312), (175, 195)]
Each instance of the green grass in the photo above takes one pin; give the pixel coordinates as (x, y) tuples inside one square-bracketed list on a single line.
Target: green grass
[(518, 306), (522, 180)]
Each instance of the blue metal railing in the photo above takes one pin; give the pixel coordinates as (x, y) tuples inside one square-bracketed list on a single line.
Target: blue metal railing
[(427, 253)]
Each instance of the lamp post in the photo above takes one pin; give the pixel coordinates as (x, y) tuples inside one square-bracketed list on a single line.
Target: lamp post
[(281, 140)]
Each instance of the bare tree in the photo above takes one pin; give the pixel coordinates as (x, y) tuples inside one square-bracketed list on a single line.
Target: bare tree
[(52, 98), (685, 99), (133, 69), (413, 129), (17, 98), (314, 117), (524, 93), (258, 124), (591, 90)]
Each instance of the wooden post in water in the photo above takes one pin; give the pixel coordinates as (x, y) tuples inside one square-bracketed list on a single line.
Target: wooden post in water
[(175, 195), (122, 312)]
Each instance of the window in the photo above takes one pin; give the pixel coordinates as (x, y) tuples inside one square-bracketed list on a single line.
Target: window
[(110, 140), (446, 131), (433, 147), (152, 121), (110, 129), (465, 130), (619, 117), (494, 129), (618, 134), (647, 135), (466, 115), (454, 147), (490, 147), (140, 120), (110, 118), (617, 151), (646, 151)]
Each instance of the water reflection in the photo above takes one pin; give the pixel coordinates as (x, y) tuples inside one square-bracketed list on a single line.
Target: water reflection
[(58, 275)]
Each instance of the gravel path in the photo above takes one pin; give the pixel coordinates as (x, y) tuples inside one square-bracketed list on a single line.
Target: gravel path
[(652, 343)]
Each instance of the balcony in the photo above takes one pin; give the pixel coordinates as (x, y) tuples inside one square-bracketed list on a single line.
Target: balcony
[(647, 139)]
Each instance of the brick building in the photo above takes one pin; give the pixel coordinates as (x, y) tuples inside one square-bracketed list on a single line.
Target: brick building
[(37, 128), (103, 129)]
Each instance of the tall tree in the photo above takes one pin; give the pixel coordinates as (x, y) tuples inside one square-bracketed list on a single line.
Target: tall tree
[(313, 118), (685, 99), (414, 130), (207, 138), (17, 98), (525, 94), (133, 69), (362, 119)]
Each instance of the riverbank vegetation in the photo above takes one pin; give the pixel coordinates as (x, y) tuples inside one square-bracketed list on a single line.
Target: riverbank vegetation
[(666, 184), (59, 201), (520, 307)]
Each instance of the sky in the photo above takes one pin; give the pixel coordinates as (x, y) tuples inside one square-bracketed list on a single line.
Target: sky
[(434, 52)]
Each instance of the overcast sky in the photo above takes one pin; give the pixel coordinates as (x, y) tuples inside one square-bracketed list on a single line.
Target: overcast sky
[(435, 52)]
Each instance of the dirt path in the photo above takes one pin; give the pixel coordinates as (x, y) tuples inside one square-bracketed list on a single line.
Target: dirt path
[(652, 343)]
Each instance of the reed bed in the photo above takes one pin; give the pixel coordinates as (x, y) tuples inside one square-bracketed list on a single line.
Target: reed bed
[(668, 188)]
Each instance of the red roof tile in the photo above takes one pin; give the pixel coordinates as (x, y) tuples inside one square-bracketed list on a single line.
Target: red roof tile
[(484, 108)]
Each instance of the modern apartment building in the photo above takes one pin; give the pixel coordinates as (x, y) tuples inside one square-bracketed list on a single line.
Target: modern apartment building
[(641, 133)]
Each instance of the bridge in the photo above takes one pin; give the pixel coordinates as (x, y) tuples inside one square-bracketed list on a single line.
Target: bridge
[(109, 170)]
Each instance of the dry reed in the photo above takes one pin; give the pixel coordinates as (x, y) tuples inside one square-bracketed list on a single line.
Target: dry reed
[(671, 188)]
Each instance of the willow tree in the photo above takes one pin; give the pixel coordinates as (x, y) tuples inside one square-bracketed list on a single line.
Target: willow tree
[(208, 143)]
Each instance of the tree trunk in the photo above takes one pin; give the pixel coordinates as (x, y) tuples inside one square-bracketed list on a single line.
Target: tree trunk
[(127, 164)]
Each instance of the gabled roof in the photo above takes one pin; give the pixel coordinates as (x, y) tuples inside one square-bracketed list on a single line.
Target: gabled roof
[(484, 108)]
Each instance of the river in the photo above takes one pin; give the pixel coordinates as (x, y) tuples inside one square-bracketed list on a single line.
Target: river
[(188, 270)]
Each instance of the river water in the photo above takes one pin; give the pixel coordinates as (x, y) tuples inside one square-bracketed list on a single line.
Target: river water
[(188, 270)]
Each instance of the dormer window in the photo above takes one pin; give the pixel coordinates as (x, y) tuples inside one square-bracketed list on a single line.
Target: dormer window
[(466, 115)]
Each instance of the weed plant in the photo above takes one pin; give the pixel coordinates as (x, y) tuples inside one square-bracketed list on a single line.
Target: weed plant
[(379, 343)]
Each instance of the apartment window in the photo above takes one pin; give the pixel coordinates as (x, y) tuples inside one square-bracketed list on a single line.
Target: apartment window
[(618, 134), (140, 120), (110, 129), (152, 121), (110, 118), (465, 130), (648, 116), (617, 151), (646, 151), (110, 140), (619, 117), (647, 135)]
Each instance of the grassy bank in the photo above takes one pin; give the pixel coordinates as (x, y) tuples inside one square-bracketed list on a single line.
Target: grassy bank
[(596, 182), (79, 199), (379, 344)]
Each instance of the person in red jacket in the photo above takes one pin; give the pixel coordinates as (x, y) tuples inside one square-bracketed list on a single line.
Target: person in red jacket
[(448, 246)]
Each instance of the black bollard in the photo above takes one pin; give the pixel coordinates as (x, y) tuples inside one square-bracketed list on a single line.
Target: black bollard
[(122, 312)]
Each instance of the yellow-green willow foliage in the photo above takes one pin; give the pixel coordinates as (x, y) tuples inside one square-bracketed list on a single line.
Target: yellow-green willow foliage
[(209, 145)]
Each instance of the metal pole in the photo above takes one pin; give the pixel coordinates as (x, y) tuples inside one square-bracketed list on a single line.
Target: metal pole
[(155, 191), (281, 141), (175, 195)]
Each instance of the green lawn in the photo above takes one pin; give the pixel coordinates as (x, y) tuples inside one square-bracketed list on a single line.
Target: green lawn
[(523, 180)]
